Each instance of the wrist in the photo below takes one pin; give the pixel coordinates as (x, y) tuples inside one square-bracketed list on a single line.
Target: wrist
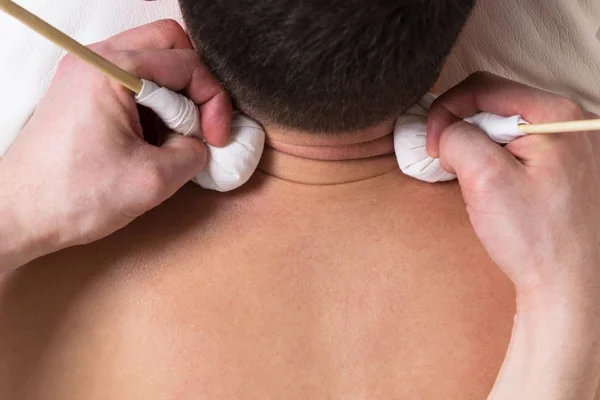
[(568, 329), (575, 302), (554, 353), (21, 239), (562, 354)]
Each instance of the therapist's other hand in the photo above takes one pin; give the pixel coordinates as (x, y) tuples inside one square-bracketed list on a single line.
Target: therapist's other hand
[(534, 204), (81, 167)]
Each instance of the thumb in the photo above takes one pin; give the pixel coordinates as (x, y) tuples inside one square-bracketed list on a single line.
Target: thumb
[(466, 151), (181, 158)]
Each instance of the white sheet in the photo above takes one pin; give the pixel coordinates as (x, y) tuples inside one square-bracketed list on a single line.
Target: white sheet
[(550, 44)]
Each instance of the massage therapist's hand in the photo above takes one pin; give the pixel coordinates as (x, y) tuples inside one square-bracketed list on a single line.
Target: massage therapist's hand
[(535, 205), (80, 169)]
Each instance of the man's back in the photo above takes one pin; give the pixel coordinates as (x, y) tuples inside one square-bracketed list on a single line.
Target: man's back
[(366, 290)]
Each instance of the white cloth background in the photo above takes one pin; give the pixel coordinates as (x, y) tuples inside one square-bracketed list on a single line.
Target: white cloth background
[(550, 44)]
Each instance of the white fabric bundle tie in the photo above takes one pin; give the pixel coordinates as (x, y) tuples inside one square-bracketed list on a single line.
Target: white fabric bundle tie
[(231, 166), (179, 113), (228, 167), (410, 139)]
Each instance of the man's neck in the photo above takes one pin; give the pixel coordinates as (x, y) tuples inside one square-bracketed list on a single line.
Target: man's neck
[(320, 159)]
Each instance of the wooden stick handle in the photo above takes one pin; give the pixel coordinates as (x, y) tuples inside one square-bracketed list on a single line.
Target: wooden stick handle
[(556, 127), (125, 78)]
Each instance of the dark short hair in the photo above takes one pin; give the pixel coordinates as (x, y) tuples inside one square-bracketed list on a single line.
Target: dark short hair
[(325, 65)]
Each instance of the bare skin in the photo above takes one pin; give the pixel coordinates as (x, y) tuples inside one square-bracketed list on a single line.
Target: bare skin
[(279, 290)]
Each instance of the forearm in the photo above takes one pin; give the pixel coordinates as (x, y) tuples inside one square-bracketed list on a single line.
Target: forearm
[(554, 353)]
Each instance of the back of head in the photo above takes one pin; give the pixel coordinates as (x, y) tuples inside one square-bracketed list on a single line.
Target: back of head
[(325, 65)]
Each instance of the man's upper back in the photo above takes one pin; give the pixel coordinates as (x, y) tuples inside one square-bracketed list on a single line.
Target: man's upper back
[(376, 289)]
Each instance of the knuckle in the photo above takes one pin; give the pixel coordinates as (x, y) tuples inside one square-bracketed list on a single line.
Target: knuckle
[(154, 184), (491, 175), (103, 48), (167, 28), (495, 164), (66, 62), (168, 24), (127, 60)]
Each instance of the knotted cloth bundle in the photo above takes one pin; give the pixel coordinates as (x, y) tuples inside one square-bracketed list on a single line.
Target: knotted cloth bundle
[(231, 166), (228, 167), (410, 138)]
